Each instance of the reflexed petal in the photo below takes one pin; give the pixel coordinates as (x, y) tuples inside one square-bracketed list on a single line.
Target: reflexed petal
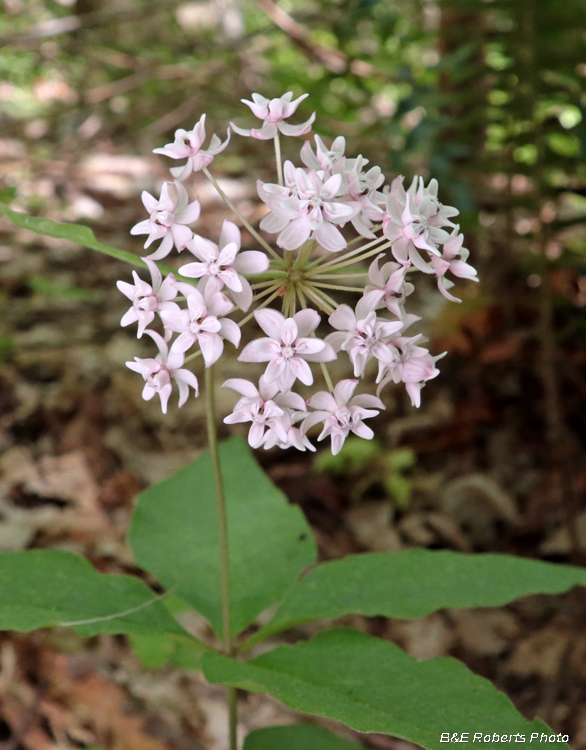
[(243, 298), (294, 235), (296, 130), (181, 234), (240, 131), (307, 321), (205, 250), (230, 233), (337, 442), (323, 400), (228, 254), (126, 289), (211, 346), (190, 213), (271, 322), (343, 318), (143, 227), (231, 279), (183, 342), (230, 331), (329, 237), (268, 131), (251, 262), (344, 390), (362, 430), (367, 401), (129, 317), (255, 435), (240, 385), (272, 223), (164, 248)]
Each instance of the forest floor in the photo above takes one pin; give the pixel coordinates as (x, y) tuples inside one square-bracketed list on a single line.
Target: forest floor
[(78, 445)]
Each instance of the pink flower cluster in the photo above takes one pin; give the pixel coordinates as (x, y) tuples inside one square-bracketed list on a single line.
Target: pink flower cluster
[(309, 208)]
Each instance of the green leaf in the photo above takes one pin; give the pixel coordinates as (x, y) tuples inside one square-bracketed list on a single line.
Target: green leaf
[(297, 737), (175, 536), (46, 588), (373, 686), (155, 650), (415, 583), (75, 232)]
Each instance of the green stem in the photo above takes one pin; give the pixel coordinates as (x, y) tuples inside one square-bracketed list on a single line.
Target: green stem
[(278, 159), (223, 535), (237, 213)]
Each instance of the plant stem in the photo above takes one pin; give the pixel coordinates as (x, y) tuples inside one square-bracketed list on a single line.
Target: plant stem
[(278, 159), (237, 213), (223, 536)]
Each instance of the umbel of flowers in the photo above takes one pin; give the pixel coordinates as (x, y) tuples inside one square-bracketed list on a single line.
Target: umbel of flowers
[(327, 215)]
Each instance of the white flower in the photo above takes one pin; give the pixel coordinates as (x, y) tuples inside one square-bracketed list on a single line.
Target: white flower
[(308, 208), (453, 259), (362, 334), (226, 263), (204, 322), (168, 219), (388, 285), (159, 372), (274, 112), (342, 414), (188, 144), (411, 364), (146, 299), (288, 348)]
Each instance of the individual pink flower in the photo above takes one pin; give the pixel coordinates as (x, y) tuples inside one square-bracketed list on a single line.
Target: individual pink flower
[(204, 322), (324, 158), (453, 259), (388, 285), (342, 414), (411, 364), (265, 407), (309, 209), (147, 299), (414, 221), (168, 219), (188, 144), (361, 333), (226, 263), (288, 347), (159, 372), (294, 436), (363, 190), (274, 112)]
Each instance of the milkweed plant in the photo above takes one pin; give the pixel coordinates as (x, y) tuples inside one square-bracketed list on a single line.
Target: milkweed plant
[(335, 259)]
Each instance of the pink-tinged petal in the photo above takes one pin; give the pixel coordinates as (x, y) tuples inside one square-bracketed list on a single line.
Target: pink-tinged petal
[(464, 270), (237, 417), (418, 261), (366, 305), (343, 318), (301, 370), (183, 392), (129, 317), (251, 262), (148, 392), (296, 130), (323, 401), (242, 386), (271, 322), (331, 186), (327, 354), (231, 279), (188, 377), (268, 131), (362, 430), (275, 369), (307, 321), (373, 299), (337, 442), (272, 223), (359, 357), (181, 235), (314, 419), (255, 435), (194, 270), (309, 346), (156, 277), (149, 201), (260, 350), (198, 134), (126, 289), (268, 391), (166, 203), (414, 391), (183, 342), (205, 250), (289, 332), (145, 318), (228, 254), (243, 298), (291, 401), (164, 394), (293, 236), (330, 237), (441, 285), (211, 346), (335, 340), (230, 331), (143, 227), (164, 248), (230, 233), (182, 173), (344, 391), (190, 213), (241, 131), (367, 401)]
